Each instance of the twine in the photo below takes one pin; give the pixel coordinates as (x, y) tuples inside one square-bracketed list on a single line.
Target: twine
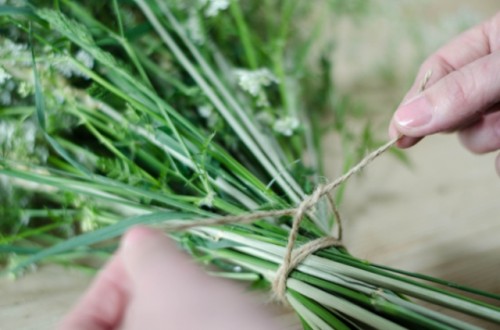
[(293, 257)]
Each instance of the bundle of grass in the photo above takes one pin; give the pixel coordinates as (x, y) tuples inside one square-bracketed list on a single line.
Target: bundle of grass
[(176, 114)]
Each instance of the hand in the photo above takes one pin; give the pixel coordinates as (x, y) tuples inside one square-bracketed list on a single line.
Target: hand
[(463, 93), (150, 284)]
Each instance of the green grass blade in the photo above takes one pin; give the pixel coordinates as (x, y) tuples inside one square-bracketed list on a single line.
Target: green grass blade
[(105, 233)]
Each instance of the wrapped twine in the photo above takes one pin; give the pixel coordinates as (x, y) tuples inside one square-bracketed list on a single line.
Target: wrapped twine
[(294, 256)]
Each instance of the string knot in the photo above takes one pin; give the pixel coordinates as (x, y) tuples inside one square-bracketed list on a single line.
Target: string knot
[(293, 257)]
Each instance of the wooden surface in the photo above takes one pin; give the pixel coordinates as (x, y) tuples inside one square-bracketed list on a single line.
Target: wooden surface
[(38, 300), (440, 217)]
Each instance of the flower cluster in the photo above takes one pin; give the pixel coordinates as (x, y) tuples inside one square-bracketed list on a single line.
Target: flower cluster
[(254, 83), (213, 7), (67, 68), (286, 126)]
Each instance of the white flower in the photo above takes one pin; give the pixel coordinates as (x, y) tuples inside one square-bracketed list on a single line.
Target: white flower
[(25, 219), (254, 81), (286, 125), (85, 58), (7, 130), (13, 49), (17, 140), (208, 200), (64, 66), (24, 89), (216, 6), (67, 68), (4, 75), (89, 220), (205, 110), (6, 92), (29, 130)]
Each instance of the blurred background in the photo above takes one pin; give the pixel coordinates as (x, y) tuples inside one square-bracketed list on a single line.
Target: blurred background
[(439, 214)]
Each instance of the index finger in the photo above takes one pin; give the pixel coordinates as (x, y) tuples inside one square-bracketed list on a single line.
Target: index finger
[(468, 47)]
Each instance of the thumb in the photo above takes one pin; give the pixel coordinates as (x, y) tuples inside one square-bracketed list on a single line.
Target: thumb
[(167, 289), (150, 257), (160, 280), (456, 100)]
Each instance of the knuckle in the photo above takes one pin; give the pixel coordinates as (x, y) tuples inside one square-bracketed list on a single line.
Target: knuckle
[(459, 86), (481, 138)]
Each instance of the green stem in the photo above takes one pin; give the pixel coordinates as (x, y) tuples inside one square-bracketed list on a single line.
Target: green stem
[(244, 34)]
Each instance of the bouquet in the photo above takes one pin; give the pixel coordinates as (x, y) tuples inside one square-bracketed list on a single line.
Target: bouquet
[(204, 118)]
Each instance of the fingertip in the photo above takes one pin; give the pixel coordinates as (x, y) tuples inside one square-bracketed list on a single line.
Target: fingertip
[(393, 132), (136, 235), (407, 142), (139, 236), (414, 116), (147, 253), (404, 141)]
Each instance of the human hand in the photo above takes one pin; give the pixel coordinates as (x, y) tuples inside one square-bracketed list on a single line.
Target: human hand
[(462, 94), (150, 284)]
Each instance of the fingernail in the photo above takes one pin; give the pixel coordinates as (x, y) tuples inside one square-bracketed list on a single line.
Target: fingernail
[(414, 113)]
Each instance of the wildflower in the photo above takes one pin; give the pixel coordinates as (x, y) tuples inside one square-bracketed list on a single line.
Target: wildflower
[(286, 125), (254, 81), (216, 6), (89, 220), (29, 130), (13, 50), (208, 200), (85, 58), (7, 131), (205, 110), (18, 140), (24, 89), (6, 92), (67, 68), (4, 75), (64, 66)]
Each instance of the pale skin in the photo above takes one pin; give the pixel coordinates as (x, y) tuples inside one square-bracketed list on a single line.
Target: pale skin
[(150, 284), (462, 94)]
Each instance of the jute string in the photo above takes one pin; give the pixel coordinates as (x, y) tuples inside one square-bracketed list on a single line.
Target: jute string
[(293, 257)]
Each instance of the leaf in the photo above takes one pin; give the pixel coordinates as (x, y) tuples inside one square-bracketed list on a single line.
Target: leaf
[(14, 11), (77, 33), (40, 105), (105, 233), (40, 112)]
